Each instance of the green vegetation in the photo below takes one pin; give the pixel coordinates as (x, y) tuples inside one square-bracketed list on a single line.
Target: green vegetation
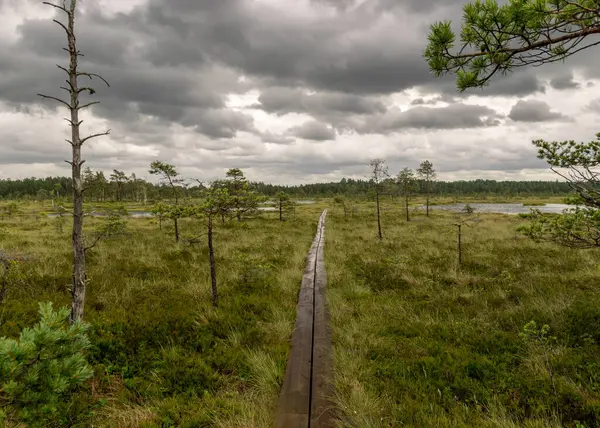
[(509, 339), (576, 227), (500, 37), (44, 364), (138, 190), (161, 354)]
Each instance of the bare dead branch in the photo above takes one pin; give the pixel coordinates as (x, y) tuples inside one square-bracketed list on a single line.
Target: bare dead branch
[(99, 134), (92, 75), (89, 89), (98, 238), (63, 27), (49, 97), (73, 123), (64, 9), (63, 69), (88, 105)]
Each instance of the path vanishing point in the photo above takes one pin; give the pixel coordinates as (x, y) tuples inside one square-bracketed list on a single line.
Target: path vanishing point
[(305, 398)]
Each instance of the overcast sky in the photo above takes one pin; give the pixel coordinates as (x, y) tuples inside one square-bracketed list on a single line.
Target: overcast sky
[(291, 91)]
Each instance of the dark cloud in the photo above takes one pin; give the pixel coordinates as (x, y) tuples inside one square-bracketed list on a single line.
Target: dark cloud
[(534, 111), (594, 106), (454, 116), (421, 101), (177, 67), (564, 82), (118, 48), (313, 130), (519, 84), (292, 49), (281, 101)]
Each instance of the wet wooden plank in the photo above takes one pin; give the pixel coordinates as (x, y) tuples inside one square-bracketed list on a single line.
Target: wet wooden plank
[(303, 401), (322, 388)]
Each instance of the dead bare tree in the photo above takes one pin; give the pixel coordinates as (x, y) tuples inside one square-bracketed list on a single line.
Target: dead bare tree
[(74, 106), (463, 219)]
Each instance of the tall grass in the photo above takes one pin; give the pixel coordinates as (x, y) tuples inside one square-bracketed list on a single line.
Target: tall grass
[(420, 342), (162, 355)]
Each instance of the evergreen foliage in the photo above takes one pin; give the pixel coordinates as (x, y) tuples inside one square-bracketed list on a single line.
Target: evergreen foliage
[(497, 38), (37, 370)]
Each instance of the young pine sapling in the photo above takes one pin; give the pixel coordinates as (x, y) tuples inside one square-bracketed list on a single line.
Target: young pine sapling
[(284, 204), (426, 173), (406, 185), (170, 177), (379, 172)]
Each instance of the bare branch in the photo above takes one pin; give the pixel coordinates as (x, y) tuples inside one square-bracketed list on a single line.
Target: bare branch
[(89, 137), (73, 123), (64, 28), (64, 9), (98, 238), (56, 99), (63, 69), (88, 105), (92, 75), (89, 89)]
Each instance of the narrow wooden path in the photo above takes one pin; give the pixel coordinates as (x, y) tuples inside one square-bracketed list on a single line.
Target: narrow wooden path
[(304, 401)]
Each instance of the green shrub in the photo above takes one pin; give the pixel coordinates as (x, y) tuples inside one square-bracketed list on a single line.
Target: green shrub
[(37, 370)]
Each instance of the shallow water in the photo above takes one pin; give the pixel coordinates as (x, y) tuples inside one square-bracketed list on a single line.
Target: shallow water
[(503, 208), (147, 214)]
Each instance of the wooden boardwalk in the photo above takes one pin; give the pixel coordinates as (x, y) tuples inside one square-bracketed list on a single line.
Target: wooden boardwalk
[(305, 401)]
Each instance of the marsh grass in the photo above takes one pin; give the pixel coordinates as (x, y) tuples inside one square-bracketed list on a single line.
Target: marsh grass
[(162, 355), (419, 342)]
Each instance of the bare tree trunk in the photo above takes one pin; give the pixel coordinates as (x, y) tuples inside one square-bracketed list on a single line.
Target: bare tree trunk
[(4, 267), (459, 245), (79, 274), (378, 218), (427, 196), (213, 268), (176, 229), (406, 203), (280, 211)]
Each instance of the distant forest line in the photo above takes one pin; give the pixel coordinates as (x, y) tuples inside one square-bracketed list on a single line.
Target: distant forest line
[(120, 187)]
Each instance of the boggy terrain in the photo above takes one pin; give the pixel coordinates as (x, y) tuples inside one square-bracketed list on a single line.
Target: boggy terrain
[(161, 354), (508, 339)]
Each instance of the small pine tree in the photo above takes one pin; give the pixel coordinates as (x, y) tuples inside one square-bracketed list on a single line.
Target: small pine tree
[(407, 186), (285, 205), (40, 368)]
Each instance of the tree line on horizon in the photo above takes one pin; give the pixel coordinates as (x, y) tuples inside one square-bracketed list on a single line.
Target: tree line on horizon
[(120, 187)]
